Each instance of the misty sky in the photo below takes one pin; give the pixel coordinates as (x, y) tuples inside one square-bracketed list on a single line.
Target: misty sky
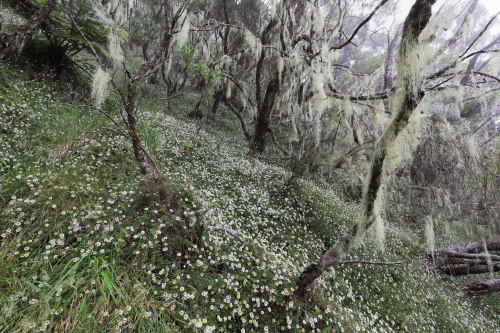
[(492, 5)]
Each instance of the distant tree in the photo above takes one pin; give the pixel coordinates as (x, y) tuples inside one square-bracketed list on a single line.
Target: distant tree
[(284, 67)]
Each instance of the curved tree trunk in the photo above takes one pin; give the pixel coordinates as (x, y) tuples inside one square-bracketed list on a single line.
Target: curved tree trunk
[(238, 114), (141, 158), (415, 22), (24, 33), (218, 96), (264, 106)]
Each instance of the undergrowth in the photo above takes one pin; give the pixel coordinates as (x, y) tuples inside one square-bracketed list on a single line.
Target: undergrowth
[(88, 246)]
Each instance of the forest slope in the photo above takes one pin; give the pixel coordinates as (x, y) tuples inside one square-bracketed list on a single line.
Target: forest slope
[(87, 246)]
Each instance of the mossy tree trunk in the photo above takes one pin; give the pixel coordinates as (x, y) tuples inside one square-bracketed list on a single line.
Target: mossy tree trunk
[(414, 24), (264, 113), (145, 165), (218, 96)]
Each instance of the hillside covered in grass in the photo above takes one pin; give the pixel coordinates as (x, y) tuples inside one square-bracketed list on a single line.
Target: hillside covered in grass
[(87, 246), (249, 166)]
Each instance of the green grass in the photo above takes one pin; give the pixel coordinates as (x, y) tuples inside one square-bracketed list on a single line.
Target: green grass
[(87, 246)]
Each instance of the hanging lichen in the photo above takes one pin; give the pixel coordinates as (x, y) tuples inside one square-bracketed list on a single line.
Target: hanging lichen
[(167, 67), (281, 65), (410, 70), (115, 50), (228, 89), (100, 86), (400, 149), (429, 234), (317, 19), (182, 36), (488, 258), (273, 8), (254, 45)]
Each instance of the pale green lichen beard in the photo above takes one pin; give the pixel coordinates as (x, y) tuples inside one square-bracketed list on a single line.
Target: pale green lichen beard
[(253, 44), (273, 8), (101, 77), (488, 258), (378, 224), (100, 86), (182, 36), (115, 50), (429, 234)]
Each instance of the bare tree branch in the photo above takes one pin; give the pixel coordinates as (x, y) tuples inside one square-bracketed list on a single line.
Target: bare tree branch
[(365, 21), (364, 262), (240, 118)]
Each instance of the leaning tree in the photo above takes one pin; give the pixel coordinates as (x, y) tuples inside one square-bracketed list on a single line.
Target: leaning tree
[(118, 70), (418, 76)]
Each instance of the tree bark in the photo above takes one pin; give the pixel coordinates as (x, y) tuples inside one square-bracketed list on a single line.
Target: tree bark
[(481, 287), (25, 32), (467, 270), (415, 22), (389, 67), (262, 125), (146, 163), (264, 106), (196, 113), (217, 98), (331, 257)]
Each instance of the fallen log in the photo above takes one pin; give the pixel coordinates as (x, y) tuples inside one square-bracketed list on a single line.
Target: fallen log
[(466, 258), (481, 287), (471, 248), (467, 270), (478, 256)]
